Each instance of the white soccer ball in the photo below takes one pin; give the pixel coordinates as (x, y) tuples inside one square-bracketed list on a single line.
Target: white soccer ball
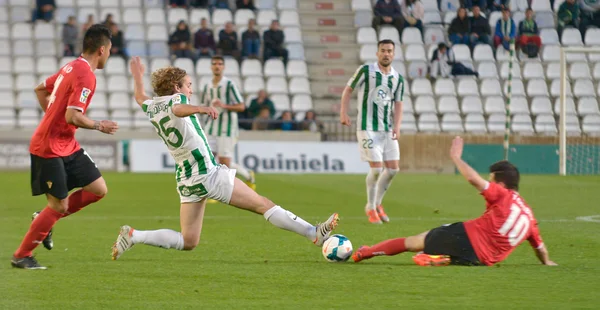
[(337, 248)]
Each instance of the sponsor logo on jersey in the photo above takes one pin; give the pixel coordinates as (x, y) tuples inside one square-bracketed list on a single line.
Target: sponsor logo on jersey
[(198, 190), (85, 93), (382, 96)]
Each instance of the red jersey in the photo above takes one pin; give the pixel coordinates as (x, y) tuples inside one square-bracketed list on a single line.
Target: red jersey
[(72, 87), (506, 223)]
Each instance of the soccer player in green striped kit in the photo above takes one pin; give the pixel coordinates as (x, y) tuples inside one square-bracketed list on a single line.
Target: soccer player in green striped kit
[(378, 124), (197, 174)]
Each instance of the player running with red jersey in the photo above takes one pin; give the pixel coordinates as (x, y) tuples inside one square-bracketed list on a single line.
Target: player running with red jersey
[(486, 240), (58, 163)]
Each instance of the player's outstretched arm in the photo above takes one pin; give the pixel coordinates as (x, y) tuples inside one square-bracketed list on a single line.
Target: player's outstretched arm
[(238, 107), (469, 173), (542, 255), (77, 118), (185, 110), (137, 71), (345, 106), (43, 96)]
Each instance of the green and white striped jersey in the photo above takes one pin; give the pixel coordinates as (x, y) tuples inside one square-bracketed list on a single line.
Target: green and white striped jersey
[(183, 136), (376, 97), (227, 122)]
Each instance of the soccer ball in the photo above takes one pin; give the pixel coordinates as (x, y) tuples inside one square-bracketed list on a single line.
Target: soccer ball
[(337, 248)]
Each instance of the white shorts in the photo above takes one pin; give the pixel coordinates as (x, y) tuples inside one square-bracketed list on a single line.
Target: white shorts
[(217, 185), (377, 146), (223, 146)]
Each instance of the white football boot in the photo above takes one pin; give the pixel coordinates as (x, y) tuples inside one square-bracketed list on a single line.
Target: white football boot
[(123, 243), (325, 229)]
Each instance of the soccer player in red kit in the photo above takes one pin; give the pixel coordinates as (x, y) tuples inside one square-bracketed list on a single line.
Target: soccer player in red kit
[(58, 163), (486, 240)]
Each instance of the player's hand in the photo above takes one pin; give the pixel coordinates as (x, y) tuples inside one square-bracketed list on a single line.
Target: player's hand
[(550, 263), (457, 147), (210, 111), (345, 119), (217, 103), (396, 134), (136, 66), (108, 127)]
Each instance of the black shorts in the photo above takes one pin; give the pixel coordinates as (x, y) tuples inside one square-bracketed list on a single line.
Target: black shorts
[(451, 240), (57, 176)]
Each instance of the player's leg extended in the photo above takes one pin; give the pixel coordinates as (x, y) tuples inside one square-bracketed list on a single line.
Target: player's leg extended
[(89, 194), (191, 218), (244, 197), (371, 181), (383, 183), (371, 151), (391, 247)]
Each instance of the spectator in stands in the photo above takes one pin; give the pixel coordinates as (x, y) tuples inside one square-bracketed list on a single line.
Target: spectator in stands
[(44, 9), (590, 15), (179, 41), (568, 15), (498, 5), (220, 4), (245, 4), (109, 20), (259, 103), (443, 64), (228, 41), (204, 40), (118, 42), (286, 122), (413, 12), (458, 32), (311, 123), (274, 39), (506, 30), (388, 12), (178, 3), (88, 24), (529, 39), (480, 28), (262, 120), (250, 41), (469, 4), (199, 3), (70, 34)]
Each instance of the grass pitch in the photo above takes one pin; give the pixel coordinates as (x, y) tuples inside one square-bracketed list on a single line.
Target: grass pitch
[(243, 262)]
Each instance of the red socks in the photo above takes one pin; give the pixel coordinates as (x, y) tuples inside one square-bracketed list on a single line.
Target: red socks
[(79, 199), (38, 231), (387, 247)]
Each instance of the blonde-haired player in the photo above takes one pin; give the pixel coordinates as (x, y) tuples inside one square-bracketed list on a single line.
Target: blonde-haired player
[(378, 124), (198, 175)]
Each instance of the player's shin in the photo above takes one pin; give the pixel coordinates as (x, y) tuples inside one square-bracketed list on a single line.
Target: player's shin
[(164, 238), (80, 199), (387, 247), (372, 178), (383, 183), (38, 231), (287, 220)]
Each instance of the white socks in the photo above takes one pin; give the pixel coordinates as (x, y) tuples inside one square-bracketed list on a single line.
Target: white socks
[(372, 177), (164, 238), (241, 171), (384, 181), (287, 220)]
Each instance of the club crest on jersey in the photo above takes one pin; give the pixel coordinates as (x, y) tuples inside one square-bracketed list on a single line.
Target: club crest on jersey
[(176, 99), (49, 183), (382, 96), (85, 93)]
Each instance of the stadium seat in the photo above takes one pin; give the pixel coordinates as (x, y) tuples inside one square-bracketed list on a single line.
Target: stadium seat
[(5, 48), (580, 70), (367, 53), (493, 18), (496, 123), (555, 88), (570, 106), (432, 18), (155, 16), (281, 102), (389, 33), (425, 104), (541, 105), (28, 118), (4, 32), (522, 124), (475, 123), (572, 125), (98, 113), (242, 16), (591, 124), (295, 51), (571, 37), (518, 17), (576, 57), (253, 84), (461, 52), (483, 52), (99, 101), (444, 87), (196, 15), (421, 87), (185, 64), (399, 67), (417, 69), (7, 99), (361, 5), (516, 70), (407, 105), (46, 48), (518, 89), (541, 6), (3, 14), (131, 3), (491, 87), (23, 65), (289, 18), (551, 53), (43, 31), (553, 70), (487, 70), (587, 106), (545, 124), (265, 17), (222, 16), (274, 67), (119, 101), (434, 35), (8, 118), (23, 48), (448, 104), (366, 35), (584, 88), (411, 35), (158, 49), (252, 67), (116, 65), (533, 70), (133, 16), (415, 52), (122, 117), (203, 67), (86, 3), (157, 33), (502, 55), (494, 104), (429, 122), (84, 12), (302, 102), (592, 37), (545, 20), (100, 82), (140, 120), (297, 68), (135, 32), (137, 48), (109, 9), (537, 87), (46, 65), (549, 36), (232, 67), (20, 14), (409, 124), (452, 122), (467, 87), (26, 99), (292, 34), (519, 105), (471, 104), (299, 85), (287, 5), (21, 31), (174, 15), (118, 83)]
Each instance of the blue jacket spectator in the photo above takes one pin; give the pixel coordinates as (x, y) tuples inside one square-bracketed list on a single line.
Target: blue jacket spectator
[(506, 30), (44, 9)]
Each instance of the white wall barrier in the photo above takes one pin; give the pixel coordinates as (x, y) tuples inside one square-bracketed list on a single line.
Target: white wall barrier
[(262, 156)]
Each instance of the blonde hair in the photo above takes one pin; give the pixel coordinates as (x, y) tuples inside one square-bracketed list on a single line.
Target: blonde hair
[(164, 80)]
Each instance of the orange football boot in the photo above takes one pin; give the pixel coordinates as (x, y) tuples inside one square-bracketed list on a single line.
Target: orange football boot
[(423, 259), (373, 217), (384, 218)]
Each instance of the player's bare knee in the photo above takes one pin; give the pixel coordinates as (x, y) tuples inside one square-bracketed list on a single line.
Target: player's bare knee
[(415, 243), (59, 205)]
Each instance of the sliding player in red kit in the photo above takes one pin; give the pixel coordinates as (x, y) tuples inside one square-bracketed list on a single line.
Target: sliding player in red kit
[(486, 240), (58, 163)]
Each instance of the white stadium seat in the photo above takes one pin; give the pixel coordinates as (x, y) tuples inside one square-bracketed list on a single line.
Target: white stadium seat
[(591, 124), (302, 102), (281, 102), (46, 65), (537, 87), (367, 53), (221, 16), (412, 35), (545, 124), (475, 123), (289, 18), (277, 85), (425, 104), (518, 89), (448, 104), (471, 104), (23, 65), (175, 15), (274, 67), (541, 105), (415, 52), (570, 106), (265, 17), (533, 70), (461, 52), (487, 70), (580, 70), (421, 87), (366, 35), (253, 84), (299, 85), (389, 33), (522, 124), (133, 16), (429, 123), (496, 123), (444, 87), (584, 88), (483, 52), (588, 106), (468, 87), (297, 68), (571, 37), (519, 105), (116, 65), (118, 83), (252, 67), (292, 34), (155, 16), (490, 87), (494, 104), (452, 122), (516, 71), (27, 99)]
